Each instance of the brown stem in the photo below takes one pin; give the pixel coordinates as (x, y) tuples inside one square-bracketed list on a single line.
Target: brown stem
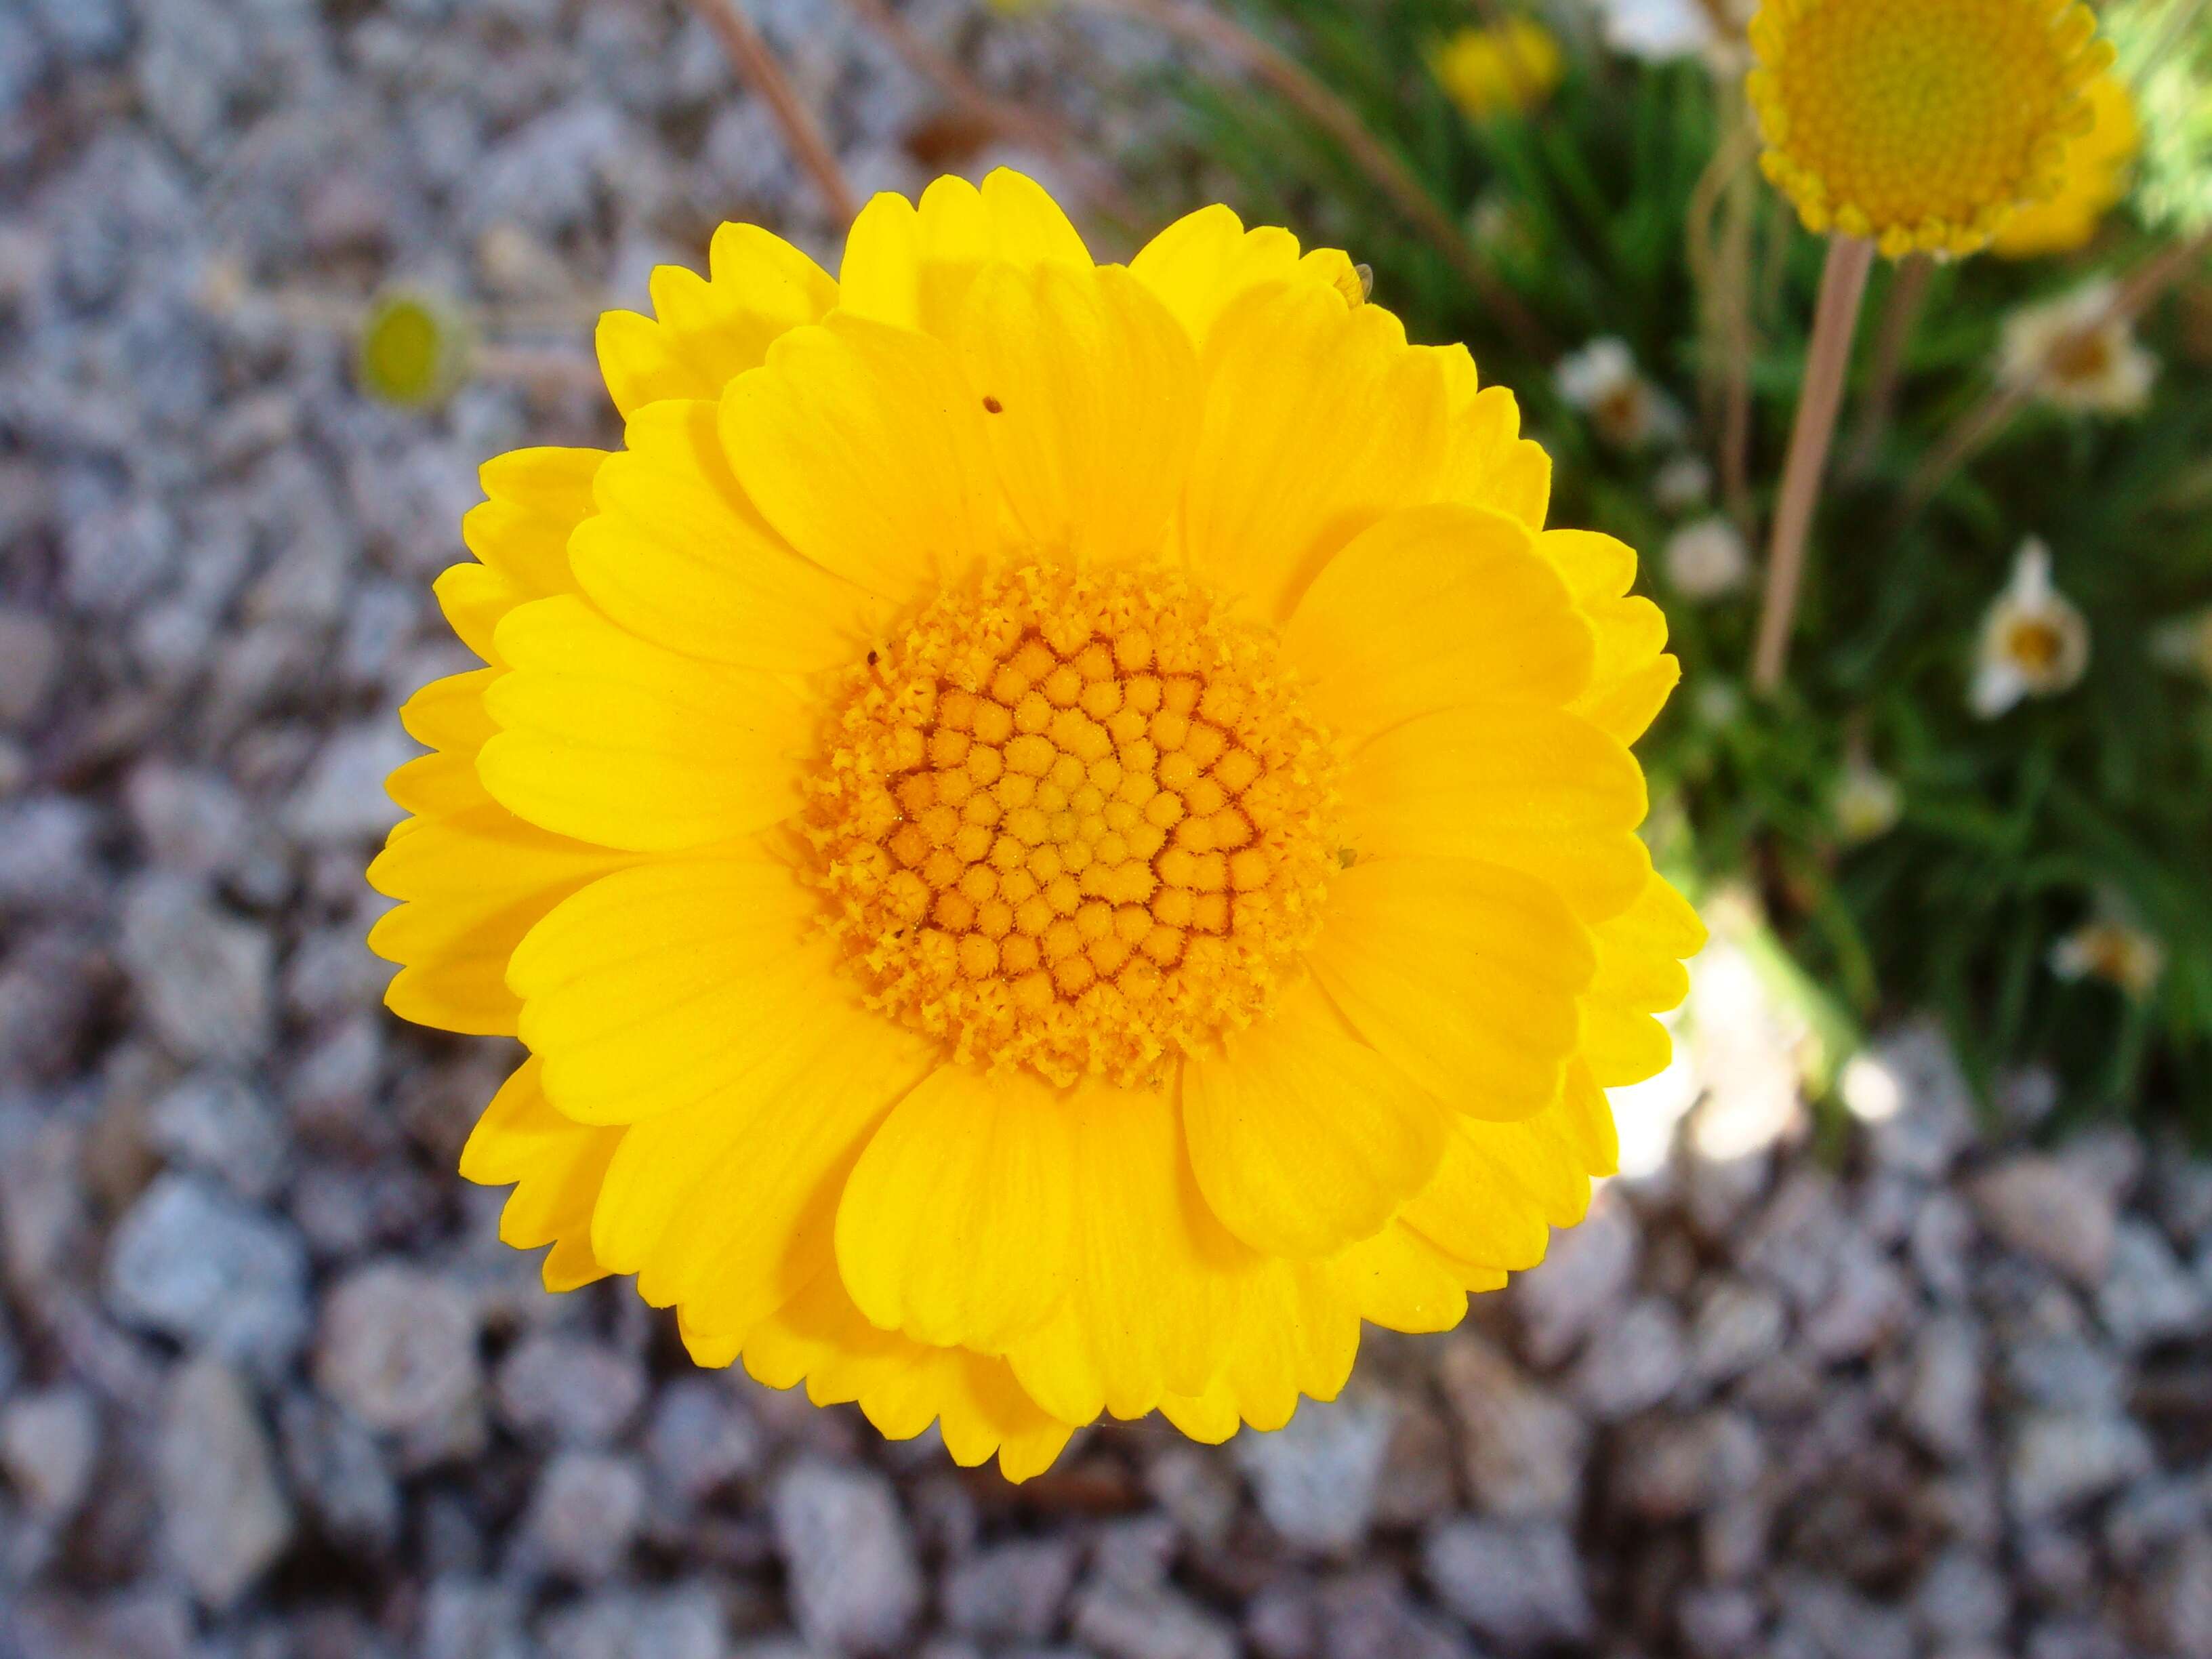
[(1901, 314), (1012, 120), (1192, 21), (1835, 321), (1976, 428), (757, 68)]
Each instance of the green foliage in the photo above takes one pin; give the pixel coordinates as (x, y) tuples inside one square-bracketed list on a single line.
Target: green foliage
[(2014, 830)]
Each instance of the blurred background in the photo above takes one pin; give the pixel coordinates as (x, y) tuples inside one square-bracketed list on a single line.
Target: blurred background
[(1893, 1339)]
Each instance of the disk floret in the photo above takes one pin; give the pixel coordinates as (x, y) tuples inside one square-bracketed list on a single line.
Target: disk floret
[(1078, 822)]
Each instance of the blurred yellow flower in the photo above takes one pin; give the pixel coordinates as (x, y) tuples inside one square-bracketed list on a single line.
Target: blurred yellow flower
[(1921, 123), (2093, 178), (1037, 878), (1504, 70), (414, 349)]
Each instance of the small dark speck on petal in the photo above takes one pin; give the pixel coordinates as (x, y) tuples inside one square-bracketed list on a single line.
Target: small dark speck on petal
[(994, 406)]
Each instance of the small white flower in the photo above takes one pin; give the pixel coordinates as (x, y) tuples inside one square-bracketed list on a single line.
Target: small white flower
[(1867, 803), (2066, 355), (2112, 948), (1660, 31), (1707, 560), (1682, 483), (2035, 643), (1601, 379), (1716, 703)]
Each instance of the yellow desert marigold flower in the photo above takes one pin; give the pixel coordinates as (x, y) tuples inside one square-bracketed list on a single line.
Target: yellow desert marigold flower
[(1499, 70), (2092, 179), (1921, 123), (1057, 835)]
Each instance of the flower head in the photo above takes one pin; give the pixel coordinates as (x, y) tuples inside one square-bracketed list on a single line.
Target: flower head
[(1707, 560), (1503, 69), (1057, 834), (2075, 352), (2034, 643), (2093, 178), (1602, 379), (2112, 947), (1922, 124), (414, 349)]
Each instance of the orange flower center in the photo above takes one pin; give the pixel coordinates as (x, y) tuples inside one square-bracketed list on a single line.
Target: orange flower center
[(1076, 821), (2035, 645)]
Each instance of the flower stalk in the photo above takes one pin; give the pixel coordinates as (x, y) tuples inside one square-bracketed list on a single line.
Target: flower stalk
[(757, 66), (1835, 322), (1988, 419)]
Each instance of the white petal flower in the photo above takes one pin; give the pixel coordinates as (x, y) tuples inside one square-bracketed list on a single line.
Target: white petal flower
[(2069, 355), (2112, 948), (2035, 641), (1707, 560), (1628, 410)]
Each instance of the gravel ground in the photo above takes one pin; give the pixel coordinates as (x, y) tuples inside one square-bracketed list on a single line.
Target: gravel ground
[(268, 1386)]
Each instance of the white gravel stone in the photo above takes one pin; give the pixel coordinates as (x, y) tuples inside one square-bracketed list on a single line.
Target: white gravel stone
[(848, 1562), (224, 1518), (192, 1261), (398, 1346), (2051, 1211), (1315, 1477)]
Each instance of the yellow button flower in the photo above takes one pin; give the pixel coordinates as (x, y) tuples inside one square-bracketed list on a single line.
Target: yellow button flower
[(1499, 70), (2093, 178), (1922, 124), (1058, 836)]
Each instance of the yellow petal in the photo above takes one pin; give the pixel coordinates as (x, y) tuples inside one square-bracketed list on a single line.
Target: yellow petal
[(1586, 1119), (1640, 954), (448, 714), (1633, 674), (726, 1206), (473, 881), (1091, 389), (677, 555), (610, 739), (536, 497), (706, 331), (911, 267), (1434, 606), (652, 990), (1304, 1137), (1484, 1208), (1487, 463), (864, 445), (1463, 974), (556, 1165), (1318, 420), (901, 1384), (1402, 1282), (1155, 1277), (1205, 260), (955, 1227), (1297, 1334), (1534, 789)]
